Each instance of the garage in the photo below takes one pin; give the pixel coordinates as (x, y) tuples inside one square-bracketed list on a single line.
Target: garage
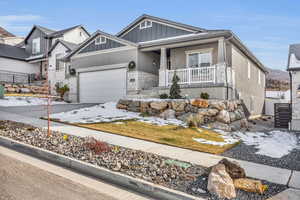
[(102, 86)]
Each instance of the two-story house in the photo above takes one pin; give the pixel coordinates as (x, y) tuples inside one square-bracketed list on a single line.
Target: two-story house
[(31, 56), (141, 59)]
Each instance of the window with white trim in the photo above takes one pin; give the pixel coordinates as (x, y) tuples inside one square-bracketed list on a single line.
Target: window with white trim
[(199, 59), (36, 45), (249, 70), (100, 40), (145, 24)]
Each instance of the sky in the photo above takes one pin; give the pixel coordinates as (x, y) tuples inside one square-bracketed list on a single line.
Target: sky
[(266, 27)]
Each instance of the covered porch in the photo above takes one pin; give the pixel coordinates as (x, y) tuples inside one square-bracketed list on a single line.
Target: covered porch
[(200, 62)]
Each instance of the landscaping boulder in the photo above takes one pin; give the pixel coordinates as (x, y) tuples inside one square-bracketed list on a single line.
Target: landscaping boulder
[(250, 185), (220, 183), (220, 126), (200, 103), (220, 105), (233, 169), (208, 112), (159, 105), (124, 102), (121, 106), (178, 106), (190, 108), (168, 114), (145, 106), (223, 117), (231, 106)]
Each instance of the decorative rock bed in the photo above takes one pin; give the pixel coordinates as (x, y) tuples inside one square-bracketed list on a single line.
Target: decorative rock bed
[(182, 176), (222, 114), (23, 88)]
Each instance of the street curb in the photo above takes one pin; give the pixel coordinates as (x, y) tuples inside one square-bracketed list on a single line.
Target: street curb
[(137, 185)]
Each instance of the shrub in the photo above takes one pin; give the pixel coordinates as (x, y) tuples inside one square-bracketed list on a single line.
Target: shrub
[(204, 95), (97, 146), (62, 90), (175, 88), (163, 96)]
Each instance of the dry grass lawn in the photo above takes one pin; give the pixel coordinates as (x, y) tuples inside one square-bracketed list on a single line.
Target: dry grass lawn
[(169, 134)]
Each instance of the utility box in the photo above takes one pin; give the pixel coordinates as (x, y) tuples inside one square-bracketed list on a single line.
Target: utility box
[(1, 91)]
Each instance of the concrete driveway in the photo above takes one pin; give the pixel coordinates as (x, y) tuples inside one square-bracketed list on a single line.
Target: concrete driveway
[(41, 110)]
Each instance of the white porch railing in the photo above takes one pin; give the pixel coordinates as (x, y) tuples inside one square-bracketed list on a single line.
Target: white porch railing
[(193, 75)]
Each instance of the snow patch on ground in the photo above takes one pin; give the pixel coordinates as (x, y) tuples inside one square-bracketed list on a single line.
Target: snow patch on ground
[(274, 144), (108, 113), (25, 101)]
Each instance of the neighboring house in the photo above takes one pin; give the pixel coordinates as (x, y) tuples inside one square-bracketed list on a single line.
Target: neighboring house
[(36, 46), (13, 64), (58, 70), (9, 38), (140, 61), (276, 96), (294, 70)]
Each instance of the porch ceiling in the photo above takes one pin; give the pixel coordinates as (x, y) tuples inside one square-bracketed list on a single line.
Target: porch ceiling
[(177, 44)]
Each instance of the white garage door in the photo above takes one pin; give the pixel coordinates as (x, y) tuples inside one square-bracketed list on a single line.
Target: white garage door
[(102, 86)]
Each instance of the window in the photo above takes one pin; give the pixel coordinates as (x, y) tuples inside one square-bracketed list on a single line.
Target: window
[(80, 33), (100, 40), (36, 45), (249, 70), (199, 60), (146, 24), (58, 64), (259, 79)]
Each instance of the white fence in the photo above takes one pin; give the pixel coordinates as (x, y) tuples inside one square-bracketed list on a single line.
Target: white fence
[(193, 75)]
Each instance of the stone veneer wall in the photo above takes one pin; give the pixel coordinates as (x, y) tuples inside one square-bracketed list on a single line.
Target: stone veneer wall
[(223, 114), (20, 88)]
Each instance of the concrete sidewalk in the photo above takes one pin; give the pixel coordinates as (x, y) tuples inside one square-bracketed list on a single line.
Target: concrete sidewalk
[(254, 170)]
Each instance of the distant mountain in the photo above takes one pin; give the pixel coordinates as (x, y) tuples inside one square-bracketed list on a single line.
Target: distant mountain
[(277, 80)]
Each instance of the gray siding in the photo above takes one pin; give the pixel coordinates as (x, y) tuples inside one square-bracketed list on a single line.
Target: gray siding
[(178, 55), (252, 93), (145, 62), (157, 31), (43, 44), (108, 45), (111, 58)]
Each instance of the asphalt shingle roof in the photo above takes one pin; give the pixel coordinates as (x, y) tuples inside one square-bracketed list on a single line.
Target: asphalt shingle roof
[(61, 32), (9, 51), (4, 33)]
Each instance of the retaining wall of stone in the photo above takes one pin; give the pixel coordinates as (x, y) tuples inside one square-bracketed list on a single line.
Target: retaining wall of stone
[(20, 88), (223, 114)]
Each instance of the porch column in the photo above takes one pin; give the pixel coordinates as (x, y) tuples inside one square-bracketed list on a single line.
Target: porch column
[(221, 67), (221, 51), (163, 67)]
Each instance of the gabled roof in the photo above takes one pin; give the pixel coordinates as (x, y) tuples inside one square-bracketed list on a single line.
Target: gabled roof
[(294, 49), (52, 33), (70, 46), (61, 32), (4, 33), (145, 16), (41, 28), (94, 35), (8, 51)]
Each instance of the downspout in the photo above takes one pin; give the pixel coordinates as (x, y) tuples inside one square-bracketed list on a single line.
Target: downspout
[(291, 96)]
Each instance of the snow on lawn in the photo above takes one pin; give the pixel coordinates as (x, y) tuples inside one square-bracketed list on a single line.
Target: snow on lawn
[(24, 101), (274, 144), (108, 113)]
